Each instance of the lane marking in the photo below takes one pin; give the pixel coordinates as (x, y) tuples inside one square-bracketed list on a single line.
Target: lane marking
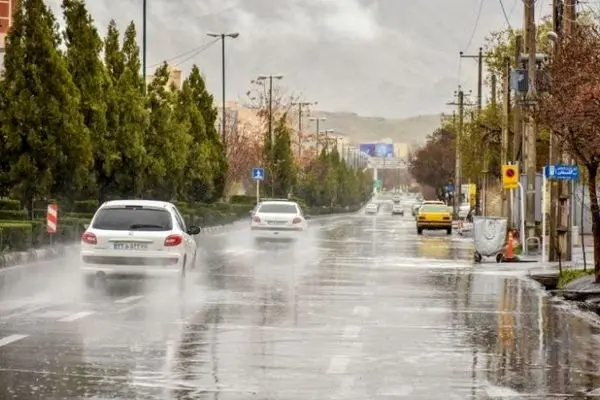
[(362, 310), (11, 339), (26, 311), (76, 316), (338, 364), (351, 332), (128, 299)]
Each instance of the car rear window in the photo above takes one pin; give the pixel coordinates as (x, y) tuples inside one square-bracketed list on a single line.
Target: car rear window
[(133, 218), (434, 208), (273, 208)]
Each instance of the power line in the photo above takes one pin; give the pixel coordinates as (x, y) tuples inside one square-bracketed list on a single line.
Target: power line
[(190, 53), (506, 15), (476, 24)]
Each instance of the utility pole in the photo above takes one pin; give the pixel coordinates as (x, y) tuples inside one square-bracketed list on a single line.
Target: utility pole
[(317, 131), (300, 105), (530, 128), (458, 163), (271, 138), (565, 188), (223, 36), (480, 202), (506, 210)]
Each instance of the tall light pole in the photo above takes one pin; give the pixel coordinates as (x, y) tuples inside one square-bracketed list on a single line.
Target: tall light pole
[(317, 120), (271, 138), (223, 36), (144, 18), (327, 132), (300, 105)]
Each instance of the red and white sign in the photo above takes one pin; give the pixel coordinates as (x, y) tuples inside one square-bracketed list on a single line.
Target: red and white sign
[(52, 217)]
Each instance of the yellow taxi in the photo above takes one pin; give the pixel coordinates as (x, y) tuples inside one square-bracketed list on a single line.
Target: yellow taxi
[(434, 216)]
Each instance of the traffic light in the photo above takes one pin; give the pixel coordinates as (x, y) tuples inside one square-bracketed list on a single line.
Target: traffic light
[(510, 176)]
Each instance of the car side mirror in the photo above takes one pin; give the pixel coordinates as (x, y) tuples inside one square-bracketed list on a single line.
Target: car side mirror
[(193, 230), (307, 217)]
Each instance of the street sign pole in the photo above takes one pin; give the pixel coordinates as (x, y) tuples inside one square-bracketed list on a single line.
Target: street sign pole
[(544, 205), (257, 191)]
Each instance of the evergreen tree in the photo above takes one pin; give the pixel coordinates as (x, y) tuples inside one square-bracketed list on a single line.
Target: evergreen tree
[(285, 168), (127, 117), (47, 143), (197, 180), (89, 75), (205, 103), (167, 138)]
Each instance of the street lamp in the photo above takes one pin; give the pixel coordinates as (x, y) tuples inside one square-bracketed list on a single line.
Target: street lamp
[(301, 104), (270, 78), (318, 120), (327, 132), (233, 35)]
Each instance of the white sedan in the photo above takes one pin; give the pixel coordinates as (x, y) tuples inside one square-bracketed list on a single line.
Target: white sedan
[(371, 208), (137, 237), (278, 220)]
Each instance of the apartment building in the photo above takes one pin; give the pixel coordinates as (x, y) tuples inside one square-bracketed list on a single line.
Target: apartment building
[(6, 11)]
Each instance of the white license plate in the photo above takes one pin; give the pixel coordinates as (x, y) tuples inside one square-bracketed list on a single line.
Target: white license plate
[(276, 222), (130, 246)]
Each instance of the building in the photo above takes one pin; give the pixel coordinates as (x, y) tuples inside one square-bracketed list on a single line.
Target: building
[(174, 77), (6, 11)]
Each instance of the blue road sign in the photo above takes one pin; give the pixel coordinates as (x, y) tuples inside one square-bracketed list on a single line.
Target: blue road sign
[(561, 172), (258, 174)]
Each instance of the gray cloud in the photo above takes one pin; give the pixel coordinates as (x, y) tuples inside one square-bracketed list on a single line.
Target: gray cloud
[(374, 57)]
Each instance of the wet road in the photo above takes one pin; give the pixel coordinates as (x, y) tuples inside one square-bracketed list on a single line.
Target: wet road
[(364, 309)]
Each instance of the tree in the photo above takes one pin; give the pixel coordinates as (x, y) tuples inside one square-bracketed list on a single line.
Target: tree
[(244, 151), (127, 118), (284, 168), (205, 103), (167, 139), (198, 173), (433, 164), (47, 143), (89, 75), (571, 109)]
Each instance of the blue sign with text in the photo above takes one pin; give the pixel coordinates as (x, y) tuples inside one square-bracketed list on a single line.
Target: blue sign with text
[(258, 174), (561, 172)]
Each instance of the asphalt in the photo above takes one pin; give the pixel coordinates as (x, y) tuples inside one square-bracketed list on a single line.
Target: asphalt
[(363, 309)]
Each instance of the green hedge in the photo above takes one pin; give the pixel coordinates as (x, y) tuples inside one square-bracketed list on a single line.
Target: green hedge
[(10, 205)]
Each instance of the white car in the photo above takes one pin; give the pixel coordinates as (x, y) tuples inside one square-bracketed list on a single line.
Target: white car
[(137, 237), (371, 208), (278, 220), (397, 209)]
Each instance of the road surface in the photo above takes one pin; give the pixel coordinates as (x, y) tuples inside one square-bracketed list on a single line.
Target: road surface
[(364, 309)]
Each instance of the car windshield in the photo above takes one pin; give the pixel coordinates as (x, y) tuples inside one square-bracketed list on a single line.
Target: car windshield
[(133, 218), (278, 208), (436, 208)]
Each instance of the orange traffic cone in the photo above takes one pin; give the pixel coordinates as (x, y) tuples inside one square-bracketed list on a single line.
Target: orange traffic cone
[(509, 246)]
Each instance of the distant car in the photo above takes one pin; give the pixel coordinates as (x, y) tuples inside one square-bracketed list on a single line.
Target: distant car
[(434, 217), (396, 198), (137, 237), (371, 208), (397, 209), (278, 220)]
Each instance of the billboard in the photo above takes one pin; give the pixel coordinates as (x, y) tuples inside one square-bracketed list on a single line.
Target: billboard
[(381, 150)]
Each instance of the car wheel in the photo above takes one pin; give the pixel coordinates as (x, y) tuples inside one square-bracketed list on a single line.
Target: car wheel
[(449, 231), (419, 231), (89, 281)]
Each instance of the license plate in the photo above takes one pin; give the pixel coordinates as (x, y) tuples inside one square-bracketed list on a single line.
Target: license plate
[(130, 246), (276, 222)]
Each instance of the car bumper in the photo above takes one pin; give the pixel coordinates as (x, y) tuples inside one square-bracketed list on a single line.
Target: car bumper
[(434, 225), (123, 264), (277, 234)]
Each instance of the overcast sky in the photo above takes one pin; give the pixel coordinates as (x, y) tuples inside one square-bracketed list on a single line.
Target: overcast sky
[(389, 58)]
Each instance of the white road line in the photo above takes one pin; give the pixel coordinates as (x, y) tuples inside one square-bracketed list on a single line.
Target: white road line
[(351, 332), (21, 313), (338, 364), (11, 339), (128, 299), (76, 316), (362, 310)]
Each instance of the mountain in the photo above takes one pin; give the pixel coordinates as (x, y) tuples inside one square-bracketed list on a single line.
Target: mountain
[(360, 129)]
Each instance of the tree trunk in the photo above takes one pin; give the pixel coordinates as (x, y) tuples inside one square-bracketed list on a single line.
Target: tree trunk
[(595, 209)]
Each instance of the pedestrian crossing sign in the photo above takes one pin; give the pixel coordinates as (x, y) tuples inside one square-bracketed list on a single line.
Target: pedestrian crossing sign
[(258, 174)]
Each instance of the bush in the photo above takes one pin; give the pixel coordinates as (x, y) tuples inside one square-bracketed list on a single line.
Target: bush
[(13, 215), (10, 205), (15, 236), (85, 206), (242, 200)]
